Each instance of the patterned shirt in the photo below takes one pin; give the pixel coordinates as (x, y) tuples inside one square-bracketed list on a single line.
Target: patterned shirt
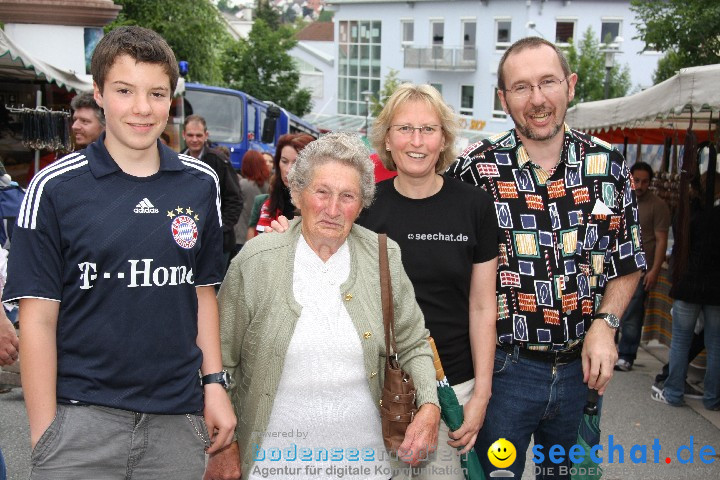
[(563, 234)]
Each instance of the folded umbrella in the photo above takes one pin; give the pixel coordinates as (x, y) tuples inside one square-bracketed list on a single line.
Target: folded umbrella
[(452, 414), (588, 437)]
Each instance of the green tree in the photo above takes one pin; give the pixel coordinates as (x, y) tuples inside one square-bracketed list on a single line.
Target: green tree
[(326, 16), (588, 61), (193, 29), (261, 66), (687, 30), (266, 12), (224, 6), (390, 84)]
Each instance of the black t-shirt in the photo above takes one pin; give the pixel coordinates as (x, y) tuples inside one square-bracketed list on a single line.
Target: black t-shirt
[(441, 237)]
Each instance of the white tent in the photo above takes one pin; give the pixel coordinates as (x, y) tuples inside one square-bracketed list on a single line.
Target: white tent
[(16, 63), (665, 105)]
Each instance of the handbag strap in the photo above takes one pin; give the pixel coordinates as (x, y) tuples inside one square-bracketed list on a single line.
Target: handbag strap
[(386, 296)]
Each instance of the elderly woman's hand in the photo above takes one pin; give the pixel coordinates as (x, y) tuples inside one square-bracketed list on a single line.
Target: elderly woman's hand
[(421, 436), (280, 225)]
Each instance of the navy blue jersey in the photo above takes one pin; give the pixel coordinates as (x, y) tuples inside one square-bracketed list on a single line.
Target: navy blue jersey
[(123, 255)]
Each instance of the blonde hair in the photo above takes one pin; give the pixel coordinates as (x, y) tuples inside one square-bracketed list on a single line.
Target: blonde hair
[(408, 92)]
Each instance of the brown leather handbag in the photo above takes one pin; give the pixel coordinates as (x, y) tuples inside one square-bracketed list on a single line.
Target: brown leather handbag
[(397, 406)]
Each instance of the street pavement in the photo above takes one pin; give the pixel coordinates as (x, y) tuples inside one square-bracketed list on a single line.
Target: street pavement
[(629, 415)]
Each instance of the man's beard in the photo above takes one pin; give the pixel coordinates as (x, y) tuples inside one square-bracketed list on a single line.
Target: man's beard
[(530, 134)]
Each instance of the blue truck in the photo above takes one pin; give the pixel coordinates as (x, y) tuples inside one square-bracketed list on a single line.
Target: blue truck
[(241, 122)]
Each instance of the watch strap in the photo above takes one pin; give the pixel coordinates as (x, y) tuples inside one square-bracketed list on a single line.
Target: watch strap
[(220, 377)]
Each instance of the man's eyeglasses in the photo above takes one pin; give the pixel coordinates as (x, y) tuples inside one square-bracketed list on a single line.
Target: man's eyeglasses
[(523, 90), (408, 130)]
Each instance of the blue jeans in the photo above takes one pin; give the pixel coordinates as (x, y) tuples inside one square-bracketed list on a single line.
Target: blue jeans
[(631, 325), (684, 317), (529, 399)]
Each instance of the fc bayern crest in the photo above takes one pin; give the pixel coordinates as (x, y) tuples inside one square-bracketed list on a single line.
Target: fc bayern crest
[(184, 231)]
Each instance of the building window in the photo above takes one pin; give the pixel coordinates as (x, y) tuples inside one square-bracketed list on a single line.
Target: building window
[(358, 64), (437, 86), (469, 28), (502, 34), (610, 30), (467, 97), (310, 77), (564, 31), (408, 31), (498, 111), (437, 29)]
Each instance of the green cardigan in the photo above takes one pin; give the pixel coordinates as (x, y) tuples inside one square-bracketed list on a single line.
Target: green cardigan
[(258, 314)]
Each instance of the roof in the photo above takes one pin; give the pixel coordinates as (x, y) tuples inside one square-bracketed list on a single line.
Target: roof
[(691, 90), (317, 32), (16, 63)]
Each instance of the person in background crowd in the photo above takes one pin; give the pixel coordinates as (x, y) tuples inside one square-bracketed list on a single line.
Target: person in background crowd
[(654, 225), (88, 124), (570, 257), (88, 119), (301, 318), (196, 137), (269, 160), (112, 347), (697, 345), (279, 202), (695, 289), (254, 176)]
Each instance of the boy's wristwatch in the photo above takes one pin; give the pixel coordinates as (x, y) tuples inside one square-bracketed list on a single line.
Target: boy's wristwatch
[(611, 319), (223, 378)]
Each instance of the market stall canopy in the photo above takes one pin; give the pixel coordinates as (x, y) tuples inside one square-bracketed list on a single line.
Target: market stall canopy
[(16, 63), (659, 111)]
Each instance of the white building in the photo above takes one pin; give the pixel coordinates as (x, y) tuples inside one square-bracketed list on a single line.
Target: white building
[(456, 45)]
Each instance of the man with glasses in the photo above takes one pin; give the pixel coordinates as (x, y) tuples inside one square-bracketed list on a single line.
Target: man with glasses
[(570, 256)]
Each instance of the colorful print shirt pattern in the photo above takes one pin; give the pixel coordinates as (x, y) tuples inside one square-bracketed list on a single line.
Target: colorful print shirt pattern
[(563, 234)]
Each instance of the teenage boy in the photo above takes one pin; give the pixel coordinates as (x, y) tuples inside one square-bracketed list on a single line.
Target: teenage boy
[(116, 252)]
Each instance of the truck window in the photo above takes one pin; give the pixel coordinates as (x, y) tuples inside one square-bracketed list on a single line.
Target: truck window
[(223, 114)]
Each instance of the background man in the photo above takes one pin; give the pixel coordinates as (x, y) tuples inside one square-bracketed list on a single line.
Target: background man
[(88, 119), (569, 256), (196, 138), (654, 223)]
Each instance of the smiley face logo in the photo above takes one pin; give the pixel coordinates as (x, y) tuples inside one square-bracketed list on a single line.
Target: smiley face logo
[(502, 453)]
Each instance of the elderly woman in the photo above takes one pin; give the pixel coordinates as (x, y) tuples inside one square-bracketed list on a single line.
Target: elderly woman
[(302, 334), (447, 231)]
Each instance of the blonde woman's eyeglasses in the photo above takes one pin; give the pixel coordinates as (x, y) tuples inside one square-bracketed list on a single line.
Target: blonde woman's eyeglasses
[(408, 130)]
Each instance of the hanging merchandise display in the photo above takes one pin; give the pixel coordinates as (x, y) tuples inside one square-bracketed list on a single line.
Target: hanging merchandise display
[(45, 129)]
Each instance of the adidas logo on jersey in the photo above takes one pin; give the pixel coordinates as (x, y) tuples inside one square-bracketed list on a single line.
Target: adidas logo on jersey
[(145, 206)]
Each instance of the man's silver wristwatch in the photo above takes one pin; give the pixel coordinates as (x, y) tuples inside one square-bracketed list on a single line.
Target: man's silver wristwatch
[(611, 319)]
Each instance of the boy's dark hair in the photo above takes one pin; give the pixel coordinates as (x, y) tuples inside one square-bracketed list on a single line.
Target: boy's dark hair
[(523, 44), (141, 44), (87, 100), (642, 166)]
